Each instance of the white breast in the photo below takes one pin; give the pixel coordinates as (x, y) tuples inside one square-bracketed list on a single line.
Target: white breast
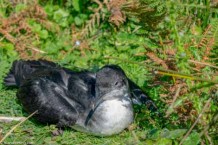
[(118, 115), (115, 111), (111, 117)]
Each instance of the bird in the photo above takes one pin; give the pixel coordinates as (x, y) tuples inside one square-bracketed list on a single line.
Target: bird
[(98, 103)]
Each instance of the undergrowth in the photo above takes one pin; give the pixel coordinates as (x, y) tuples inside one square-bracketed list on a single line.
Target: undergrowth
[(169, 48)]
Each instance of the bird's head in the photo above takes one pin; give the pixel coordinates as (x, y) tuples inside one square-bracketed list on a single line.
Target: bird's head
[(111, 79)]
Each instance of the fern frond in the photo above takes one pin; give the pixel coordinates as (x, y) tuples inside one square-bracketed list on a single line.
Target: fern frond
[(209, 39), (148, 12), (214, 31), (17, 30), (94, 20)]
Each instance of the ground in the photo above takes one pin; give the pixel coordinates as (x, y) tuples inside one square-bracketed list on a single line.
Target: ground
[(168, 48)]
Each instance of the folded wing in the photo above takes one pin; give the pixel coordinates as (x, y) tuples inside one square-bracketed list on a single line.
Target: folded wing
[(46, 92)]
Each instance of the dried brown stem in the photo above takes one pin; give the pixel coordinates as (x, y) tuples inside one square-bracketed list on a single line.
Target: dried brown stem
[(196, 121), (166, 72), (203, 63), (171, 107), (13, 128), (10, 119)]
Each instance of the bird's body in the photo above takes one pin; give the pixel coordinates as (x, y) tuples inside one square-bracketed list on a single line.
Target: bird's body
[(110, 117), (99, 102)]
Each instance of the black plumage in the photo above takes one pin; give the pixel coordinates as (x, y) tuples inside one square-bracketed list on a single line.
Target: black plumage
[(69, 98)]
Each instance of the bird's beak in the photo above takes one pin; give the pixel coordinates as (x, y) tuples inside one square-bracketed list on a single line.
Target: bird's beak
[(136, 96), (139, 98), (136, 101)]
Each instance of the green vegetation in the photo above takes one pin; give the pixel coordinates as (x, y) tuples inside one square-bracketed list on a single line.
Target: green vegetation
[(169, 48)]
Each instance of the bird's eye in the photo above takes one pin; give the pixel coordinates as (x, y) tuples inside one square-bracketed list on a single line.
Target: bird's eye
[(116, 83)]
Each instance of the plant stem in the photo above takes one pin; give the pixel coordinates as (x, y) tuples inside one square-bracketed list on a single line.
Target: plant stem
[(13, 128), (167, 72), (199, 116)]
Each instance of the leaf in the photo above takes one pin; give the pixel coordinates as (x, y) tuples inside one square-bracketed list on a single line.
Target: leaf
[(51, 47), (163, 141), (36, 27), (78, 21), (43, 34), (7, 46), (149, 142), (19, 7), (48, 140), (76, 5), (60, 14), (64, 23), (154, 134), (61, 17), (175, 133), (49, 10), (192, 139)]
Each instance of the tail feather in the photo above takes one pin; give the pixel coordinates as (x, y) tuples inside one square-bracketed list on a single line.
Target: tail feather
[(21, 69), (9, 80)]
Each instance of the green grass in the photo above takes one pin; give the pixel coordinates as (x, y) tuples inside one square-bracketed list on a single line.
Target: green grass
[(145, 130), (164, 35), (35, 133)]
